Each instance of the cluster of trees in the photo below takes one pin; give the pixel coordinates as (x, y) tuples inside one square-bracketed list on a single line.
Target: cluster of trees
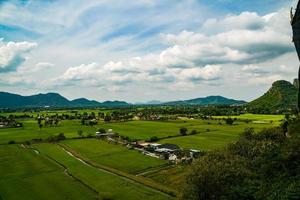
[(9, 122), (264, 165), (47, 121)]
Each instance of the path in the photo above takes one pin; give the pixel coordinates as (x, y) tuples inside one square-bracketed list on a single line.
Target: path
[(128, 177)]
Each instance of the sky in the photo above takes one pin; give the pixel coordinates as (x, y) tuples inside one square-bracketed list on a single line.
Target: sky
[(144, 50)]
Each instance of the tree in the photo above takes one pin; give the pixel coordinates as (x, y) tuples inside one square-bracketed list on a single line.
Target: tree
[(80, 133), (264, 165), (107, 118), (229, 121), (153, 139), (39, 120), (101, 130), (183, 131), (194, 132)]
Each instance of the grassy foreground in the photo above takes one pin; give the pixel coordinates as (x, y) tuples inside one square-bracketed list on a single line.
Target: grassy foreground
[(27, 175)]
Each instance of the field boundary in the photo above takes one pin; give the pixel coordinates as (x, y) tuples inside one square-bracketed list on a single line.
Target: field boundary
[(138, 179), (66, 170)]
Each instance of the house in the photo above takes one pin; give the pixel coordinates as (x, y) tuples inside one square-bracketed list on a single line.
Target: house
[(109, 133), (101, 135), (173, 158), (154, 145), (194, 153), (169, 148)]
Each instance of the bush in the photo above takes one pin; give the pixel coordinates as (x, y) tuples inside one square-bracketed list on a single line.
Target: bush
[(183, 131), (229, 121), (153, 139), (56, 138), (12, 142), (264, 165), (101, 130)]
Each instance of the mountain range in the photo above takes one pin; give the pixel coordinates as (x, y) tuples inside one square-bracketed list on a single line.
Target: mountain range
[(282, 95), (210, 100), (9, 100)]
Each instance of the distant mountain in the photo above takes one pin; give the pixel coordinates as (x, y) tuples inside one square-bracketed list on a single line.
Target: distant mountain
[(210, 100), (8, 100), (153, 102), (114, 104), (84, 102), (282, 95)]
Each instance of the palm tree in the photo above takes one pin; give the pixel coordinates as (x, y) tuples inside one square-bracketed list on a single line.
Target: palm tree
[(295, 22)]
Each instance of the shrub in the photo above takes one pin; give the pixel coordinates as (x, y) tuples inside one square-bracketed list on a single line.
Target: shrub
[(12, 142), (264, 165), (229, 121), (153, 139), (101, 130), (183, 131)]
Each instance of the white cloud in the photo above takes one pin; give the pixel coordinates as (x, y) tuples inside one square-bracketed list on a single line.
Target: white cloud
[(12, 54), (242, 39), (196, 58)]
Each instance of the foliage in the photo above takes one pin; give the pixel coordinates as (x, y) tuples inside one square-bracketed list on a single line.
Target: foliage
[(101, 130), (281, 96), (56, 138), (264, 165), (229, 121), (183, 131)]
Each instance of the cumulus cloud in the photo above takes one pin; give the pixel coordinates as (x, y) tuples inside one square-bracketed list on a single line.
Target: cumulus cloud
[(239, 39), (193, 58), (12, 54)]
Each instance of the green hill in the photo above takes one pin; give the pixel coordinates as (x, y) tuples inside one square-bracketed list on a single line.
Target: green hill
[(210, 100), (281, 96)]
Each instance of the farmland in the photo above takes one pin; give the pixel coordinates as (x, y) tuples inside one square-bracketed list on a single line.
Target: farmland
[(26, 175), (115, 156), (83, 167)]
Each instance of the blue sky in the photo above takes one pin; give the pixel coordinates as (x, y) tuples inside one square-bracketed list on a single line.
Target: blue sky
[(145, 49)]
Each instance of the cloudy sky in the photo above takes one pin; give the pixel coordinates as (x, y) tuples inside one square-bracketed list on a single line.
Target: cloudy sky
[(145, 50)]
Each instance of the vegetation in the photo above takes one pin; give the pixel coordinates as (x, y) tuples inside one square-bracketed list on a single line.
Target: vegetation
[(115, 156), (66, 140), (28, 175), (264, 165), (281, 96)]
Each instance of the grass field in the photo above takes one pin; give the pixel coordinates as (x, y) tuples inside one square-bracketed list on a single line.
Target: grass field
[(115, 156), (30, 130), (261, 117), (27, 175), (108, 185), (217, 137), (55, 174)]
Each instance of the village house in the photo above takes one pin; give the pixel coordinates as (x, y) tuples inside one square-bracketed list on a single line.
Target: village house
[(110, 133)]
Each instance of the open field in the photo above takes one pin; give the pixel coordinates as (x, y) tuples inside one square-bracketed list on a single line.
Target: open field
[(214, 132), (54, 173), (107, 184), (217, 136), (255, 117), (30, 130), (27, 175), (115, 156)]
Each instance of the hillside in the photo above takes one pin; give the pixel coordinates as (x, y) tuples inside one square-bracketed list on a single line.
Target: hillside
[(282, 95), (8, 100), (210, 100)]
